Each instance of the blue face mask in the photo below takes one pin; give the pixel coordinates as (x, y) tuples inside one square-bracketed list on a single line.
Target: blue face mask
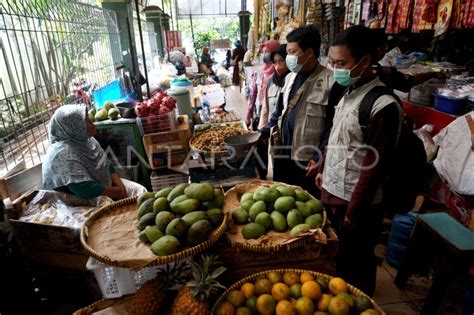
[(343, 76), (292, 63)]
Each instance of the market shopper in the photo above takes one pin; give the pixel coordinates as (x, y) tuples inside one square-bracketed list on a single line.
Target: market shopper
[(206, 62), (300, 116), (390, 76), (267, 91), (355, 162), (75, 162), (237, 56)]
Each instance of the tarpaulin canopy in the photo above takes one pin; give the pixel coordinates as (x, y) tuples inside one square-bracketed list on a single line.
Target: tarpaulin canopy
[(207, 8)]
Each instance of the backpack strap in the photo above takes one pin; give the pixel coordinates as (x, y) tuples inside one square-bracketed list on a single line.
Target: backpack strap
[(367, 104)]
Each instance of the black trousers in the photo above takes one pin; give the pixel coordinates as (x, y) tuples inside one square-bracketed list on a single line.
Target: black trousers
[(294, 173), (355, 259)]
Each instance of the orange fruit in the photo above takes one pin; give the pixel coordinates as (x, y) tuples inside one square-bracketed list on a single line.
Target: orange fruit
[(274, 277), (349, 299), (225, 308), (295, 290), (236, 298), (304, 306), (311, 289), (266, 304), (337, 306), (291, 278), (306, 276), (323, 302), (243, 311), (285, 308), (280, 291), (263, 286), (248, 289), (320, 313), (338, 285)]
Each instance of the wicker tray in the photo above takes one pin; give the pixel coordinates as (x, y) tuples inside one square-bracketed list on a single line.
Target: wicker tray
[(353, 290), (272, 241), (142, 254)]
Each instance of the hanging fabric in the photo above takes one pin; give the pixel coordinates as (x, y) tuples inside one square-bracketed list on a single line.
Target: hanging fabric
[(429, 10), (404, 10), (392, 8), (469, 14)]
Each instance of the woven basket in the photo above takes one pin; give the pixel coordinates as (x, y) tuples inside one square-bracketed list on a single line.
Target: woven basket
[(116, 206), (262, 248), (236, 286)]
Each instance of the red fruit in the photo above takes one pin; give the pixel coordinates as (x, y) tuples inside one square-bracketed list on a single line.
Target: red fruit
[(141, 109), (153, 103), (160, 96), (164, 110), (155, 110), (169, 102)]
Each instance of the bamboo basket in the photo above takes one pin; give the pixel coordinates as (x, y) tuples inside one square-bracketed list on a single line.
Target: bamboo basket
[(236, 286), (303, 240), (159, 260)]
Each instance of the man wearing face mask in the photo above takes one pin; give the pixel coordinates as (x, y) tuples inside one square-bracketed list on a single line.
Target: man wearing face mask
[(355, 162), (301, 111)]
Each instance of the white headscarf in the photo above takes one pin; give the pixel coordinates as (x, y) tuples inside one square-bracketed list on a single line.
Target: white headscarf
[(72, 156)]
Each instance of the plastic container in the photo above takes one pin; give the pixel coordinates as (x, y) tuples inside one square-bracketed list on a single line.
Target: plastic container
[(449, 105), (183, 101), (109, 92), (157, 123), (183, 84), (115, 282)]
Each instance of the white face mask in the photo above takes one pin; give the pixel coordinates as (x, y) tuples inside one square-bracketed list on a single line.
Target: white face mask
[(292, 63)]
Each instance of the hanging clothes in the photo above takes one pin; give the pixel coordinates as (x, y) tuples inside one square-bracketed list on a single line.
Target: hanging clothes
[(445, 8)]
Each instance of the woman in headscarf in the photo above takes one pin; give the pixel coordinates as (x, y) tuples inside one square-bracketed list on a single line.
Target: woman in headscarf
[(75, 162), (267, 89), (237, 56)]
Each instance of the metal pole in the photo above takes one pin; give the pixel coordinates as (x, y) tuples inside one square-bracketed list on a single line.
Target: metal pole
[(143, 47), (192, 33)]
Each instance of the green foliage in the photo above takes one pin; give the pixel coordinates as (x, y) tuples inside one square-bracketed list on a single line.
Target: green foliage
[(204, 39)]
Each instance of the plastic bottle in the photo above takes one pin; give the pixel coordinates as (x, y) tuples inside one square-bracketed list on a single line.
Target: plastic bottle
[(205, 112)]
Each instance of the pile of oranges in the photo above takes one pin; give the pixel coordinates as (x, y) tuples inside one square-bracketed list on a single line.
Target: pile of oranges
[(291, 293)]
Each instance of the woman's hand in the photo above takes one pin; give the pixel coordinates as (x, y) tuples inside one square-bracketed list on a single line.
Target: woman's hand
[(117, 182), (319, 180), (311, 168), (114, 193)]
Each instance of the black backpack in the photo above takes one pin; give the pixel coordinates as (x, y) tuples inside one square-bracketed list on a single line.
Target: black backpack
[(408, 165)]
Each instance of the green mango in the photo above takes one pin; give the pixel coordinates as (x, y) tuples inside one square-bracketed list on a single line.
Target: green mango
[(284, 204), (294, 218), (163, 219), (166, 245), (163, 192), (256, 208), (304, 208), (144, 196), (178, 200), (278, 221), (246, 196), (145, 220), (315, 205), (300, 228), (177, 228), (185, 207), (286, 191), (301, 195), (264, 220), (314, 220), (215, 216), (201, 191), (247, 204), (240, 216), (160, 204), (252, 231), (177, 191), (194, 216), (153, 233), (145, 207), (199, 232)]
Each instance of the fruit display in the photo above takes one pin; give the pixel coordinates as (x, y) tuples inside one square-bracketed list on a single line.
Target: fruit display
[(194, 296), (290, 291), (175, 217), (211, 139), (160, 104), (108, 111), (278, 208)]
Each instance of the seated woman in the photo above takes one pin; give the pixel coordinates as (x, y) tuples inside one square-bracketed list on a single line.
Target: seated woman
[(75, 163)]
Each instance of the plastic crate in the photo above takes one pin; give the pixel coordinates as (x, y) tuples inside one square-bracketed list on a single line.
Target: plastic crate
[(159, 182), (448, 105), (115, 282), (157, 123)]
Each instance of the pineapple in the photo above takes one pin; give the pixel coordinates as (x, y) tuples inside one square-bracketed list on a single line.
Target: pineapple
[(193, 297), (150, 298)]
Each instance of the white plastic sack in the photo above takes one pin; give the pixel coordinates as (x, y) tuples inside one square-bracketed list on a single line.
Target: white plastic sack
[(455, 160)]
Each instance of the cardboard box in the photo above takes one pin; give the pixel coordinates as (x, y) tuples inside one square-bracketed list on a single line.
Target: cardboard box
[(169, 148), (44, 244)]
